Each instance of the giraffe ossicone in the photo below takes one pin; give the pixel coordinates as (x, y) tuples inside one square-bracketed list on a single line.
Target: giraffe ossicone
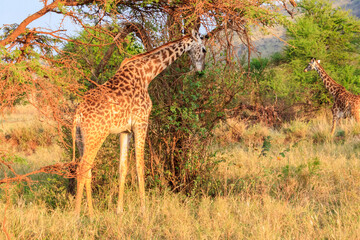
[(122, 105), (346, 104)]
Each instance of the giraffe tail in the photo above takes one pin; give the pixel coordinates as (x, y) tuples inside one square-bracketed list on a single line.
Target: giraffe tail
[(72, 183)]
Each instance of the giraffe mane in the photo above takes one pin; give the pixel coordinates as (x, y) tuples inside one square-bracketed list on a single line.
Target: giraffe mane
[(327, 75), (141, 55)]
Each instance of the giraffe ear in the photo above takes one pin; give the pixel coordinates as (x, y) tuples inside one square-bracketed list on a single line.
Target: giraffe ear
[(318, 61), (194, 33)]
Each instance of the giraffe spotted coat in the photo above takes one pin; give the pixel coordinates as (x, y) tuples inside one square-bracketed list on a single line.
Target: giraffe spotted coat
[(346, 104), (122, 105)]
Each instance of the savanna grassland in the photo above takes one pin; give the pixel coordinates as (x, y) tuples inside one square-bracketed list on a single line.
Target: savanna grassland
[(290, 182), (240, 151)]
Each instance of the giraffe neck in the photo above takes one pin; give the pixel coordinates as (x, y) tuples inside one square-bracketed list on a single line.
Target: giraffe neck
[(333, 87), (150, 64)]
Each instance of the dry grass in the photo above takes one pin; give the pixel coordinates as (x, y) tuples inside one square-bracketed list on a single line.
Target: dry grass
[(19, 116), (301, 184), (24, 134)]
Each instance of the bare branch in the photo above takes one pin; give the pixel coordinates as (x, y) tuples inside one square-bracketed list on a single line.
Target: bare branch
[(47, 8)]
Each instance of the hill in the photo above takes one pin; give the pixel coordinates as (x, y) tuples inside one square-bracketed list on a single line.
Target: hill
[(267, 45)]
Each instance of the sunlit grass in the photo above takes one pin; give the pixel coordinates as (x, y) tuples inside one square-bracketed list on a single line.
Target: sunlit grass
[(293, 182)]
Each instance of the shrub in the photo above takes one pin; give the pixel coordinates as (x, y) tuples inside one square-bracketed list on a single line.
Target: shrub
[(27, 139), (184, 114)]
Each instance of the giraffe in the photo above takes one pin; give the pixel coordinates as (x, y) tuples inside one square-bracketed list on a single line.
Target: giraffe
[(346, 104), (122, 105)]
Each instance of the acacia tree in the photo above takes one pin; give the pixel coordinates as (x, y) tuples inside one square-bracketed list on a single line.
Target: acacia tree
[(58, 73), (330, 35), (154, 22)]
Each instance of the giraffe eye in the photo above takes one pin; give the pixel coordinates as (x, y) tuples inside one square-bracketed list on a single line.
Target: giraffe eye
[(204, 50)]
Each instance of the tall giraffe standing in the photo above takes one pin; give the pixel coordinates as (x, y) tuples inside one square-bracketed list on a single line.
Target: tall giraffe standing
[(122, 105), (346, 104)]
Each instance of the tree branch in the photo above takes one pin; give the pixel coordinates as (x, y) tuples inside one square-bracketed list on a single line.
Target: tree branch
[(47, 8), (128, 28)]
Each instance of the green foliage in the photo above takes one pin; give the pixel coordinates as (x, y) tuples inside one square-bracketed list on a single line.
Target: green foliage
[(50, 190), (312, 167), (180, 132), (265, 148), (15, 159), (328, 34), (321, 31), (29, 45), (90, 55)]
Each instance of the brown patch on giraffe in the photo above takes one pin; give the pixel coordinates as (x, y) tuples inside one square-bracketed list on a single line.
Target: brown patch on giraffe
[(150, 68), (177, 54), (170, 51), (130, 75), (156, 61)]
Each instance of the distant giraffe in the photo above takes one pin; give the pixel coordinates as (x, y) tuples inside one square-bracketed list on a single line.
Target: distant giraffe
[(345, 103), (122, 105)]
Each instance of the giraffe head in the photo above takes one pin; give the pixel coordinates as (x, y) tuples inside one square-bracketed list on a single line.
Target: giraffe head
[(312, 65), (197, 51)]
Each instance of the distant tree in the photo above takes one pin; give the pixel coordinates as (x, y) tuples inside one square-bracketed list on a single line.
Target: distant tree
[(331, 35), (323, 31)]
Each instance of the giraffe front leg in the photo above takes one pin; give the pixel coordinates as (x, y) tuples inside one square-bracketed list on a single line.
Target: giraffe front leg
[(335, 118), (357, 115), (84, 177), (140, 135), (124, 146), (333, 126)]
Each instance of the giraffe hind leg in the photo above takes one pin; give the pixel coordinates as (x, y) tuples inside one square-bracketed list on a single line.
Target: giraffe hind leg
[(84, 180), (84, 174)]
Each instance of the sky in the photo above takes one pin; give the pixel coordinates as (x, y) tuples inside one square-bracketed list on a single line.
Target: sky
[(15, 11)]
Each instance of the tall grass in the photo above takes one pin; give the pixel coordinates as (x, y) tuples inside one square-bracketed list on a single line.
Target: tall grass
[(294, 182)]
